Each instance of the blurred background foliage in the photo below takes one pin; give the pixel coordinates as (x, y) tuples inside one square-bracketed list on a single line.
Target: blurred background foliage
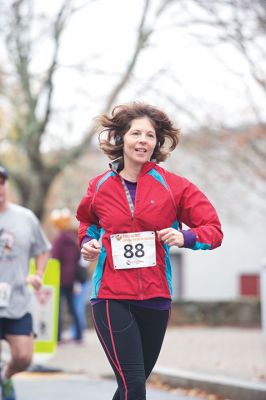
[(66, 61)]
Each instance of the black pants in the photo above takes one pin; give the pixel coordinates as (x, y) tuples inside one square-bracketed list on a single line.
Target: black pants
[(131, 337)]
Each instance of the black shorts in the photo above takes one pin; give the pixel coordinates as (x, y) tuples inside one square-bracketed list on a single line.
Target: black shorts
[(11, 326)]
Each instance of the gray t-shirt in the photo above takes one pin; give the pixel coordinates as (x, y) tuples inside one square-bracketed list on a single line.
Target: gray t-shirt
[(21, 237)]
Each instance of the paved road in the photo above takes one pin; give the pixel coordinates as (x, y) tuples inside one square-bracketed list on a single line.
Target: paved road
[(67, 387), (219, 352)]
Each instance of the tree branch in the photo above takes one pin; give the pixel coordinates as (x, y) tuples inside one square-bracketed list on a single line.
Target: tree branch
[(48, 83), (142, 39)]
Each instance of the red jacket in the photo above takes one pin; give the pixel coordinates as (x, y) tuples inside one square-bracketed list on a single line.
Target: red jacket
[(163, 199)]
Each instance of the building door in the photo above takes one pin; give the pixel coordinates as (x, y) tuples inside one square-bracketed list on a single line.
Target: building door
[(249, 285)]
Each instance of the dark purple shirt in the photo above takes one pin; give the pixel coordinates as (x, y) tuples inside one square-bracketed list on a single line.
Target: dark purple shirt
[(132, 186), (156, 303), (65, 248)]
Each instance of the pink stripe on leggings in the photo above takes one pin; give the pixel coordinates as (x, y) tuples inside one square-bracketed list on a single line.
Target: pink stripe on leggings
[(117, 366), (103, 342), (114, 349)]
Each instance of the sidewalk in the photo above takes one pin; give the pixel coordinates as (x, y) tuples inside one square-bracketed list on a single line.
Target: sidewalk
[(231, 361), (69, 387)]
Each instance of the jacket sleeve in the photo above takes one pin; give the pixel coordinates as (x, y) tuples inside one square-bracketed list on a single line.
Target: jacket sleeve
[(197, 212), (88, 220)]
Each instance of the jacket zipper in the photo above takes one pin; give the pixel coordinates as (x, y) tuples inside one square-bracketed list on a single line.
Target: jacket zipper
[(132, 210)]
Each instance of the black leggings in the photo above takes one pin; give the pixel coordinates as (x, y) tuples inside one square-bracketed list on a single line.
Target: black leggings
[(131, 337)]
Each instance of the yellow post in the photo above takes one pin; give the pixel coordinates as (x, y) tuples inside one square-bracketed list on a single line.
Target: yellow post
[(46, 309)]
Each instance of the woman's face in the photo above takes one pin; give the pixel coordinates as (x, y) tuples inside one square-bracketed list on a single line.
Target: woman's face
[(139, 142)]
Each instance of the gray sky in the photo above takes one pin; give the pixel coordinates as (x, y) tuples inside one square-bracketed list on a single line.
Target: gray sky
[(212, 84)]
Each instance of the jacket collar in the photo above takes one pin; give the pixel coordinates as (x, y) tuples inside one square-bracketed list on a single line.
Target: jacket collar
[(117, 164)]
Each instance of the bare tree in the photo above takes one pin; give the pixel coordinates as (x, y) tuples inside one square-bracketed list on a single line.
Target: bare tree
[(242, 24), (31, 98), (28, 98)]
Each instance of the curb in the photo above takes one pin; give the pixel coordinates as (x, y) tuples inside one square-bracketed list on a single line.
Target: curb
[(234, 389)]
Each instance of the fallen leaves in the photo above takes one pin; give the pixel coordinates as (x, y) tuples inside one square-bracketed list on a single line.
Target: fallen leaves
[(156, 383)]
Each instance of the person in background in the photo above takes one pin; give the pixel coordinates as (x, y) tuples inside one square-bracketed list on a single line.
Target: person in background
[(81, 294), (65, 249), (21, 237), (129, 218)]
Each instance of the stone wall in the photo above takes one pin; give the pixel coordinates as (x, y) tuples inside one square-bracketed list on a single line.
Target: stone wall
[(240, 313), (244, 312)]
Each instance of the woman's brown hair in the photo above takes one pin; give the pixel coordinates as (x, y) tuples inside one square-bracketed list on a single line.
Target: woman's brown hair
[(120, 121)]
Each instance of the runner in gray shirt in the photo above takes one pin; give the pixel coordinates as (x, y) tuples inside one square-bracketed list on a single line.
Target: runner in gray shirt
[(21, 237)]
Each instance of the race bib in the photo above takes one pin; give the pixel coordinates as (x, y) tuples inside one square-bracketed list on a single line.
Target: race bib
[(5, 291), (133, 250)]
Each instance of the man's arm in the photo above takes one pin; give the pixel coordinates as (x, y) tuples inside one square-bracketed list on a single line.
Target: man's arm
[(36, 279)]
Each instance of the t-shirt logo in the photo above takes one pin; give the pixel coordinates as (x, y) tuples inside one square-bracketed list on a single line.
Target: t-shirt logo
[(7, 240)]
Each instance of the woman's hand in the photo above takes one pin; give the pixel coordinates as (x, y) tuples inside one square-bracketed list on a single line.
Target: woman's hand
[(171, 237), (91, 250)]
